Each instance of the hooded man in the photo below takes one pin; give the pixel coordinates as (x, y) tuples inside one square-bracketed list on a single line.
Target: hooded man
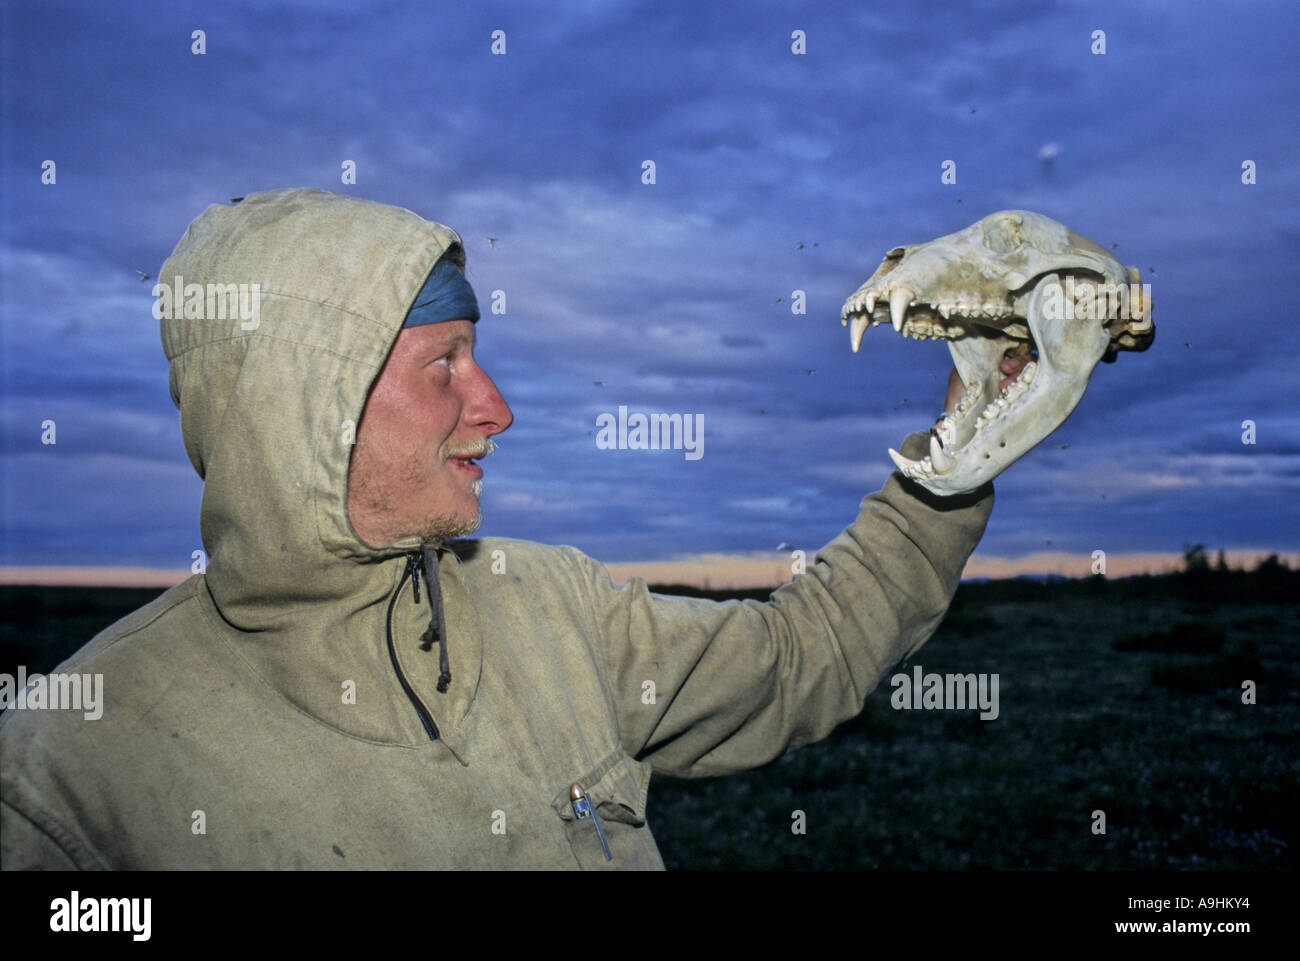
[(346, 686)]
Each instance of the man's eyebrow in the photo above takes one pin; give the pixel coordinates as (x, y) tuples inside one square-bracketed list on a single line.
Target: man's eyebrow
[(455, 340)]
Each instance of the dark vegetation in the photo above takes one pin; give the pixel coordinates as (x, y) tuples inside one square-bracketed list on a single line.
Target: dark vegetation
[(1123, 696), (43, 626)]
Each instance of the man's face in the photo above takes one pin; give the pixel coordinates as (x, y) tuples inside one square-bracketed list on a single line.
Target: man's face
[(429, 413)]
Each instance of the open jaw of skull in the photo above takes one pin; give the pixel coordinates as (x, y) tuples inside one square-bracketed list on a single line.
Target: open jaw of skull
[(1012, 284)]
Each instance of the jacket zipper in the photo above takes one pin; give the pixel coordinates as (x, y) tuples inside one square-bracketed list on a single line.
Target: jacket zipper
[(411, 570)]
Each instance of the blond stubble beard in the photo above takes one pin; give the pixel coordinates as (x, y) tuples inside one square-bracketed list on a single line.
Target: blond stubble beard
[(375, 498)]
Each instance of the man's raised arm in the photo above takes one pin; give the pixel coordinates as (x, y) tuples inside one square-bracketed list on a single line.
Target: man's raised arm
[(739, 683)]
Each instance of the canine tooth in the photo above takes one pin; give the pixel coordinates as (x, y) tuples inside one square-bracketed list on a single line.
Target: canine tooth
[(860, 322), (899, 298), (904, 464), (942, 461)]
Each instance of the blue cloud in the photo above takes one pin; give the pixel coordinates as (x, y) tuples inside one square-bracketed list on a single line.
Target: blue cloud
[(775, 173)]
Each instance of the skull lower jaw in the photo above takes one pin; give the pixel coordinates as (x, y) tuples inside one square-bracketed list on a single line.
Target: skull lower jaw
[(991, 428)]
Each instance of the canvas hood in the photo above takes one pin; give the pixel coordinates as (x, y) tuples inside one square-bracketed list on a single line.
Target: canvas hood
[(269, 400)]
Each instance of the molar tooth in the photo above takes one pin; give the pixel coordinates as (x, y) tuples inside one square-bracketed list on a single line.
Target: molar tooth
[(1027, 375), (945, 310), (899, 298), (860, 322), (947, 430), (871, 301)]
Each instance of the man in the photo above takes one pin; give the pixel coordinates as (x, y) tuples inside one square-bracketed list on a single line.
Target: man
[(348, 687)]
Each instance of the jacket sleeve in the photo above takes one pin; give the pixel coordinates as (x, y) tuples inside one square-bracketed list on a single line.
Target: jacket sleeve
[(737, 684), (26, 847)]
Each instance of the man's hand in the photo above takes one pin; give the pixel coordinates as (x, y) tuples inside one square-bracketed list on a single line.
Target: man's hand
[(1011, 366)]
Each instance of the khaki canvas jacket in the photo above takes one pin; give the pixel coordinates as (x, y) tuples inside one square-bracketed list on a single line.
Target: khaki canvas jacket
[(280, 711)]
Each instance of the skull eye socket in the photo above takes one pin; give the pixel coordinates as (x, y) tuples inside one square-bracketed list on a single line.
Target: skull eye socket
[(892, 260), (893, 257), (1003, 235)]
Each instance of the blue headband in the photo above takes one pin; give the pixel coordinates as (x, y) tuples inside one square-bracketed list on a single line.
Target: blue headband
[(446, 295)]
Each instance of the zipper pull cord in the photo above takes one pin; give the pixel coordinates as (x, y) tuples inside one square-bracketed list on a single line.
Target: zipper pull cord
[(413, 570), (437, 629)]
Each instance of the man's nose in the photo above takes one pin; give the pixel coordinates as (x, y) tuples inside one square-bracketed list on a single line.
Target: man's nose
[(488, 410)]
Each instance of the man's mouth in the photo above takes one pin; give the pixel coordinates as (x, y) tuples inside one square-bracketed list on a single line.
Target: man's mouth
[(468, 460), (468, 465)]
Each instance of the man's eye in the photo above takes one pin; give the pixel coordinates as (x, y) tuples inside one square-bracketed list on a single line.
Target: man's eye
[(445, 361)]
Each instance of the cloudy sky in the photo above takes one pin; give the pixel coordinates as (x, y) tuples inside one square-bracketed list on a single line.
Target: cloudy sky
[(775, 172)]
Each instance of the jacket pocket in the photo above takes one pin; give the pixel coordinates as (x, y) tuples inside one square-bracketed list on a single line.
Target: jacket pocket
[(616, 790)]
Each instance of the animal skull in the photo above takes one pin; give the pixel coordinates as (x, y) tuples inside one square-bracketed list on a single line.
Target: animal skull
[(1005, 286)]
